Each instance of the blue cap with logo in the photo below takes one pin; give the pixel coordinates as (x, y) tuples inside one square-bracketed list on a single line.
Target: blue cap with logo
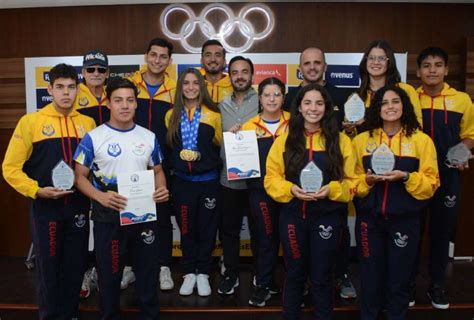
[(94, 58)]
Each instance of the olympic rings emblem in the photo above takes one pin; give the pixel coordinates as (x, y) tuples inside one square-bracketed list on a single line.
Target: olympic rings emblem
[(226, 28)]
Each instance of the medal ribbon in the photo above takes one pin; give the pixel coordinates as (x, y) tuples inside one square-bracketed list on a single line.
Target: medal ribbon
[(189, 129)]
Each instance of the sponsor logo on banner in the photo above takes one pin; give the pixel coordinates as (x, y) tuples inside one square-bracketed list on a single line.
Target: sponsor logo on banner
[(294, 75), (42, 98), (343, 76), (124, 71), (263, 71), (45, 75)]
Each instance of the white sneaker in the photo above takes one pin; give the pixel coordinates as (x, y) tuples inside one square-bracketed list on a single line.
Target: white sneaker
[(204, 289), (87, 285), (188, 285), (128, 277), (94, 279), (166, 282)]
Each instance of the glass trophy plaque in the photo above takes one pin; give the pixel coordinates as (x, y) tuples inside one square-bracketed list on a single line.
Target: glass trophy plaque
[(354, 108), (62, 176), (383, 160), (457, 155), (311, 178)]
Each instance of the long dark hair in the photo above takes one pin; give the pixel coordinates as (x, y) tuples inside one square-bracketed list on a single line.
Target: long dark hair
[(270, 81), (204, 99), (408, 119), (392, 76), (295, 147)]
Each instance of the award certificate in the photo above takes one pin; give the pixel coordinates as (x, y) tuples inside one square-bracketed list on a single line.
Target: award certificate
[(138, 187), (241, 153)]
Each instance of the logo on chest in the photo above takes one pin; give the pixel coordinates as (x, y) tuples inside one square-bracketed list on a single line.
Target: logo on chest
[(114, 150), (48, 130), (138, 148), (83, 101), (370, 147), (260, 132), (407, 148)]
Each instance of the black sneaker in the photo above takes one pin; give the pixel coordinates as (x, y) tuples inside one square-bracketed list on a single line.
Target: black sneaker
[(438, 298), (260, 296), (227, 285), (274, 289), (411, 294)]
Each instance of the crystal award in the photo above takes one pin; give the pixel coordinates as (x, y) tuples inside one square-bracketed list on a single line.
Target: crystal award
[(354, 108), (457, 155), (311, 178), (62, 176), (383, 160)]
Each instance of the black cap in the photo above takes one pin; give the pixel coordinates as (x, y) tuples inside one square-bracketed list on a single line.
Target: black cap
[(95, 57)]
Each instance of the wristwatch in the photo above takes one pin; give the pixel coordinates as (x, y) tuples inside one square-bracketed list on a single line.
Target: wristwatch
[(406, 177)]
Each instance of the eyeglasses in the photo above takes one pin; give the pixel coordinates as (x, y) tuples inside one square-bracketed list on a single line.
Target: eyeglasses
[(93, 69), (377, 58), (275, 95)]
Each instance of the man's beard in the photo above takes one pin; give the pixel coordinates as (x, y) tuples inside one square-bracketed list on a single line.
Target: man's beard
[(213, 71), (243, 89)]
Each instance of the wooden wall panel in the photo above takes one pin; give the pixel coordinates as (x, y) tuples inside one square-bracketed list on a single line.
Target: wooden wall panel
[(470, 66), (14, 229), (332, 26), (335, 27)]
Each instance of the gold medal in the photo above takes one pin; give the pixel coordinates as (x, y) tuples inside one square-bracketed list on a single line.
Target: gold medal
[(189, 155)]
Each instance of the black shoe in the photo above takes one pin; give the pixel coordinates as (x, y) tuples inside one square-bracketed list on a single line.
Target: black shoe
[(274, 289), (227, 285), (438, 298), (260, 296), (411, 294)]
